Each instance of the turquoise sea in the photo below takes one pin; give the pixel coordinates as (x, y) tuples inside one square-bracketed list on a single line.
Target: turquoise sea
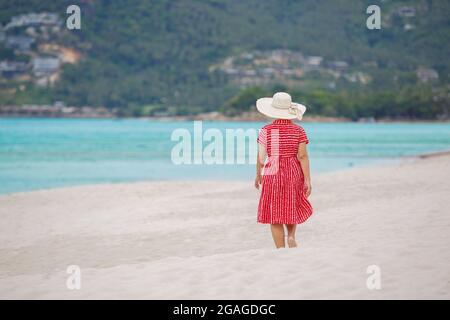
[(48, 153)]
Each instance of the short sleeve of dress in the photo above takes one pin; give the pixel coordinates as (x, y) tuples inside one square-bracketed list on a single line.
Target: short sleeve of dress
[(262, 137), (303, 138)]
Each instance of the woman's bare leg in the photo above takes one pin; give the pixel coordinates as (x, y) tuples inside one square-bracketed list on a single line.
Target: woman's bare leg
[(278, 235), (291, 235)]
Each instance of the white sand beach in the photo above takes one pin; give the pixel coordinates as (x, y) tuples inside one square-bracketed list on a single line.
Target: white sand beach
[(200, 240)]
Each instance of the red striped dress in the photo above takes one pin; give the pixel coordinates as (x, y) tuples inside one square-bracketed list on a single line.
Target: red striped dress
[(283, 200)]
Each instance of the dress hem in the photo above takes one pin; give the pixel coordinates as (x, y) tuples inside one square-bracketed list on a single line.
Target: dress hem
[(283, 222)]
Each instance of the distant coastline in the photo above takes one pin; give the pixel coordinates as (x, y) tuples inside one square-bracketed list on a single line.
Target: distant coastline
[(58, 112)]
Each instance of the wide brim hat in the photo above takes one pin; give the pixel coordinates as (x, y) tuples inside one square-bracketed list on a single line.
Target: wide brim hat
[(280, 106)]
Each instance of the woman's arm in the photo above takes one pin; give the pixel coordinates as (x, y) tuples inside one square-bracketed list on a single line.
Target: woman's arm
[(260, 160), (304, 161)]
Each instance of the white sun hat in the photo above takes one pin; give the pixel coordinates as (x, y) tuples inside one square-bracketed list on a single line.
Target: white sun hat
[(280, 106)]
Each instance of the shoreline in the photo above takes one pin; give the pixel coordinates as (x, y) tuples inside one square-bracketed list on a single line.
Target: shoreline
[(434, 154), (306, 119)]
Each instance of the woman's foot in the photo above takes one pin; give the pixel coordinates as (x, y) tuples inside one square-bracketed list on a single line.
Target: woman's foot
[(291, 242)]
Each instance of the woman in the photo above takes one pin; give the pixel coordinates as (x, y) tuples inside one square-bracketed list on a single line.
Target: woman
[(285, 181)]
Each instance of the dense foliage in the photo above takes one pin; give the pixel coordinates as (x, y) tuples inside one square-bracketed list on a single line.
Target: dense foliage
[(409, 103), (144, 55)]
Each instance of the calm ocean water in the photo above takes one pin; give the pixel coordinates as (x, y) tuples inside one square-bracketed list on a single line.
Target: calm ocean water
[(48, 153)]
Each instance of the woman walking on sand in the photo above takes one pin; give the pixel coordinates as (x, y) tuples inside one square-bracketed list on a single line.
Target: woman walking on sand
[(285, 176)]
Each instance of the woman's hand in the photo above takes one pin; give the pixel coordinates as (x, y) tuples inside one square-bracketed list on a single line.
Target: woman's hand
[(258, 181), (307, 187)]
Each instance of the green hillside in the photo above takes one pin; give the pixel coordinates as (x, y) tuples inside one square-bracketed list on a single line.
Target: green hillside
[(158, 53)]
